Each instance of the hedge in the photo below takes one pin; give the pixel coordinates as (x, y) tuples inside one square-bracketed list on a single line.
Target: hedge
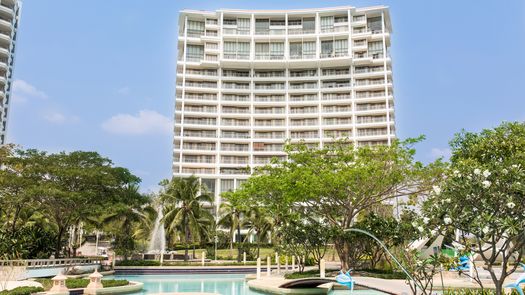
[(22, 291)]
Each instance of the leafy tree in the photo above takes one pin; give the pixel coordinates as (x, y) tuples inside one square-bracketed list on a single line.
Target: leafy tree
[(482, 198), (259, 224), (338, 182), (184, 200)]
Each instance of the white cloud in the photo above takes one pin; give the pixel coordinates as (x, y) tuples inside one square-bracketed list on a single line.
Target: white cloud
[(146, 122), (123, 90), (22, 90), (57, 117), (444, 153)]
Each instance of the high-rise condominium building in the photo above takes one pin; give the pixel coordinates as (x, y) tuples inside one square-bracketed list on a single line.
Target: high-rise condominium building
[(9, 17), (247, 80)]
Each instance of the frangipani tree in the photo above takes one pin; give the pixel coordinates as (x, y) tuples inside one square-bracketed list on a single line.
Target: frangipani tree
[(482, 197)]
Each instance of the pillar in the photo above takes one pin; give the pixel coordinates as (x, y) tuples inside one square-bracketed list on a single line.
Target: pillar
[(258, 268), (268, 266), (322, 269)]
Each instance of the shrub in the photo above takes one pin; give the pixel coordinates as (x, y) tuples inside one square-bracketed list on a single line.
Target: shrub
[(138, 263), (473, 292), (22, 291), (304, 274)]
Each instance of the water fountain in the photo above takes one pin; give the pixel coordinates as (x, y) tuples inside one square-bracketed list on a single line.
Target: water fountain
[(157, 242)]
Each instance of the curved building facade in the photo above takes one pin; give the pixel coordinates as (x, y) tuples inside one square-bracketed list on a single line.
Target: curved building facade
[(249, 80), (9, 19)]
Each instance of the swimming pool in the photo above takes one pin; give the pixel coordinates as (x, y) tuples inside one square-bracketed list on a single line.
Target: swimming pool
[(224, 284)]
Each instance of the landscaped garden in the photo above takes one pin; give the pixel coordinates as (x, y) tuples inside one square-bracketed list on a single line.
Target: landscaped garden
[(312, 207)]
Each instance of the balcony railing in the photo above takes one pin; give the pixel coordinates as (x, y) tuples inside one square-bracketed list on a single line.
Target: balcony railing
[(297, 135), (226, 134), (235, 110), (369, 94), (269, 74), (269, 123), (202, 147), (303, 74), (235, 98), (194, 33), (303, 56), (300, 31), (334, 29), (201, 96), (367, 107), (304, 122), (233, 31), (332, 121), (336, 96), (241, 56), (303, 97), (269, 111), (227, 122), (265, 56), (377, 119), (336, 72), (303, 86), (198, 170), (369, 82), (199, 134), (235, 86), (269, 98), (269, 86), (303, 110), (269, 135), (333, 54), (337, 109), (234, 147), (336, 84)]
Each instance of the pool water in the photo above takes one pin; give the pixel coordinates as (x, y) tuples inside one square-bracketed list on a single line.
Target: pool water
[(224, 284)]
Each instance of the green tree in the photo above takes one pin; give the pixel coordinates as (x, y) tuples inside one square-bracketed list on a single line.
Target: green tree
[(126, 218), (259, 224), (482, 198), (184, 200), (231, 216), (338, 182)]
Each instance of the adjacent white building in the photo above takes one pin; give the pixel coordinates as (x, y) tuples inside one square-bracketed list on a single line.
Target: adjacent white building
[(247, 80), (9, 18)]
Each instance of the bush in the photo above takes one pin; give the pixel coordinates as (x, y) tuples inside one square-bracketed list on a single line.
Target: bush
[(22, 291), (382, 274), (138, 263), (305, 274), (81, 283)]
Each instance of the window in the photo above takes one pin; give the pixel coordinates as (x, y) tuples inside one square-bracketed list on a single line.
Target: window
[(309, 49), (243, 26), (195, 28), (375, 24), (327, 23), (262, 50), (309, 25), (210, 185), (341, 47), (240, 50), (375, 48), (277, 50), (194, 52), (262, 26), (327, 48), (296, 50), (226, 185), (341, 19)]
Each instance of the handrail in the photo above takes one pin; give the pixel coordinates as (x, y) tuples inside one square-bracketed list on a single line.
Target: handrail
[(41, 263)]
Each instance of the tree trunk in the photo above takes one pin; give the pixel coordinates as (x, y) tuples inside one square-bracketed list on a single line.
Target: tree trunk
[(187, 237), (58, 244), (239, 243), (343, 253)]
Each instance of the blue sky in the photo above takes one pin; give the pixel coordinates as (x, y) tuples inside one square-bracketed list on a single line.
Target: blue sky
[(100, 74)]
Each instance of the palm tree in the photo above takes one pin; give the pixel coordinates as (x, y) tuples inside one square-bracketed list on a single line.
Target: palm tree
[(259, 223), (125, 217), (231, 218), (184, 200)]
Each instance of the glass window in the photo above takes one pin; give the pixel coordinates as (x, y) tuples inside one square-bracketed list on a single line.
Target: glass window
[(210, 185), (309, 49), (296, 50), (327, 47), (375, 24), (341, 47), (194, 52), (375, 47), (243, 23), (277, 49), (327, 22), (226, 185), (262, 26), (309, 25)]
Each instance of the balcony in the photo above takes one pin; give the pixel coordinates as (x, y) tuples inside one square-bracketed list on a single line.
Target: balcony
[(232, 110), (235, 31), (370, 106), (232, 134), (198, 170), (372, 132), (193, 96), (300, 31), (333, 54), (269, 123), (234, 160), (303, 56), (263, 147), (265, 56), (240, 56), (303, 97), (309, 110), (199, 146), (308, 122), (371, 119), (334, 109), (272, 74), (231, 147), (236, 86), (235, 171), (210, 134), (240, 98), (334, 29), (338, 72), (278, 86), (236, 123), (269, 110), (200, 121), (304, 135), (336, 84), (200, 109), (337, 121), (194, 33), (270, 98), (269, 135)]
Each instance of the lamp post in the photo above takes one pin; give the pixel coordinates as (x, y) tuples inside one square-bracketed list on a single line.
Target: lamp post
[(416, 284)]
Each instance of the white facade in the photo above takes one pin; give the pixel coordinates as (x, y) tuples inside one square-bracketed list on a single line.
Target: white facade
[(9, 18), (248, 80)]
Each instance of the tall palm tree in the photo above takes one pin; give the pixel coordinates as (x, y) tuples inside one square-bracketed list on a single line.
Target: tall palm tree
[(259, 223), (231, 217), (184, 200), (125, 217)]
